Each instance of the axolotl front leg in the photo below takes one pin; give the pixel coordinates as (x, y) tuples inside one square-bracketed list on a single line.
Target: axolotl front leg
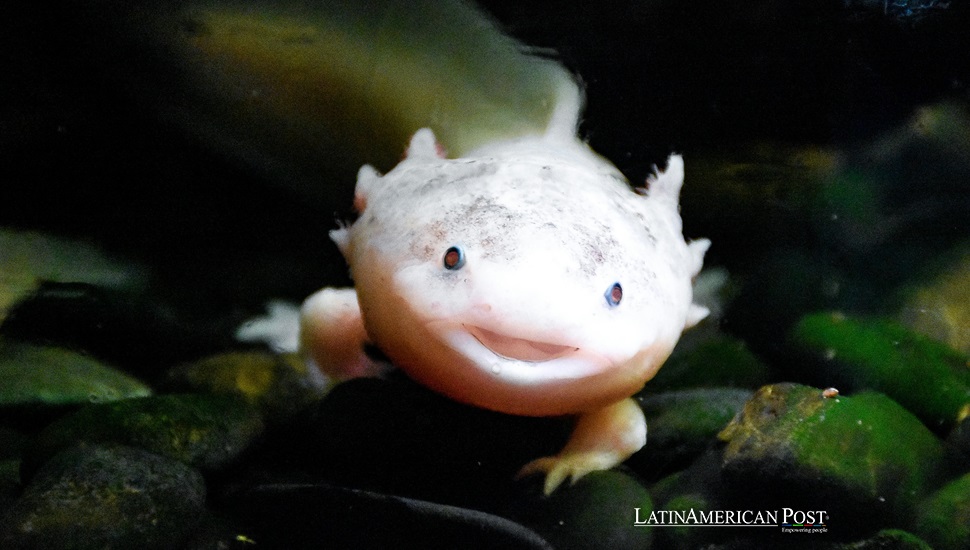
[(602, 439), (332, 334)]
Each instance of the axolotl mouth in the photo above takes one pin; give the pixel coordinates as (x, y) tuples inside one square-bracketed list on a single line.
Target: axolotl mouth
[(521, 361), (519, 349)]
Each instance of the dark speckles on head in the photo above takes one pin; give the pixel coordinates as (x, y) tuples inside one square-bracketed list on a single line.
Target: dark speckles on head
[(438, 231), (485, 219), (595, 256), (597, 245), (487, 245), (502, 214)]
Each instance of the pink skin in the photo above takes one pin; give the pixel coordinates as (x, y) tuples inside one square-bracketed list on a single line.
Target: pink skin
[(528, 337)]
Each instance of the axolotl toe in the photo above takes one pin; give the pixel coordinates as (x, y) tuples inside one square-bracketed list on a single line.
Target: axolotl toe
[(527, 277)]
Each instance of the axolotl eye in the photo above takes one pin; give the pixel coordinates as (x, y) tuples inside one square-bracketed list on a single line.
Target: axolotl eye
[(454, 258), (614, 294)]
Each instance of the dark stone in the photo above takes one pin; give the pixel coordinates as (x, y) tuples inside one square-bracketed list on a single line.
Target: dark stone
[(219, 531), (12, 443), (889, 539), (596, 512), (106, 497), (324, 516), (396, 436)]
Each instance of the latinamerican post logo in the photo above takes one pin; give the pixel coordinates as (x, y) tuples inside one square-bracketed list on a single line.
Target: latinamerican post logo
[(789, 520)]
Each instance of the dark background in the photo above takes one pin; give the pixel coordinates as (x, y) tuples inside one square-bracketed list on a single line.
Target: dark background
[(80, 156)]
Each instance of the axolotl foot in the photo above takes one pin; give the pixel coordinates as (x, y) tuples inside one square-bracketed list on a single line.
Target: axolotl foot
[(602, 439)]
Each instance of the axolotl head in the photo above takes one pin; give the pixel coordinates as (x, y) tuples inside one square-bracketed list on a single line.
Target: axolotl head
[(527, 278)]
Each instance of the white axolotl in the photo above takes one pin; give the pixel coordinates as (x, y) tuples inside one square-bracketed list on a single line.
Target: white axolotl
[(527, 277)]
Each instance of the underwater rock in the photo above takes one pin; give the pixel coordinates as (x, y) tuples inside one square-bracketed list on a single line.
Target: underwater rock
[(12, 443), (862, 457), (137, 332), (205, 431), (711, 362), (940, 308), (944, 517), (27, 258), (699, 488), (392, 435), (596, 512), (686, 537), (279, 385), (888, 539), (219, 531), (319, 515), (48, 376), (958, 441), (106, 497), (9, 484), (852, 354), (682, 424)]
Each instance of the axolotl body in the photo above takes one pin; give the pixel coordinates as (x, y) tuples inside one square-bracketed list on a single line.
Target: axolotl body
[(526, 277)]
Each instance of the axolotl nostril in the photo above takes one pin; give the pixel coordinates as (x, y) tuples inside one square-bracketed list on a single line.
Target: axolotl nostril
[(526, 277)]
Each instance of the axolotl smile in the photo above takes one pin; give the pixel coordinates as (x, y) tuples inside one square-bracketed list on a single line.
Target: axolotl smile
[(518, 349), (521, 360)]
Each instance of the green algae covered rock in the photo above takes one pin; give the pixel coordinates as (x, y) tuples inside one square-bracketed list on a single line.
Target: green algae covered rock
[(863, 456), (682, 424), (717, 361), (684, 536), (944, 518), (279, 385), (699, 488), (39, 375), (106, 497), (597, 512), (925, 376), (206, 431)]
